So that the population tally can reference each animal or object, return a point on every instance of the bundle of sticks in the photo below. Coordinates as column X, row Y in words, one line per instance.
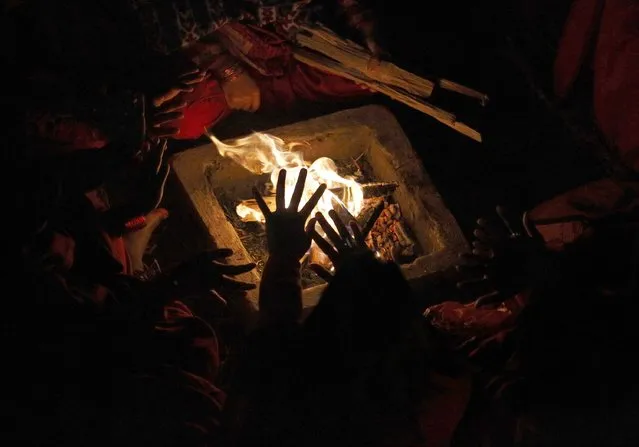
column 321, row 48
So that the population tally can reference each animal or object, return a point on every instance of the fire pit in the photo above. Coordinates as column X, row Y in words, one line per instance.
column 371, row 170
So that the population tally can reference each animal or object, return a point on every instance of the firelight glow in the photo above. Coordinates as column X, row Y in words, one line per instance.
column 261, row 153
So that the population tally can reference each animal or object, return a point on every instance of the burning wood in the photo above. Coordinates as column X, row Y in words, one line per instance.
column 390, row 237
column 371, row 190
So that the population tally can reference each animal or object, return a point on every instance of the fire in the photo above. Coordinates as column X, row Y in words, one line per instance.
column 261, row 153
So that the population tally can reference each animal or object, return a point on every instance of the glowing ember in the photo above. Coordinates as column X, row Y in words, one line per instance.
column 262, row 153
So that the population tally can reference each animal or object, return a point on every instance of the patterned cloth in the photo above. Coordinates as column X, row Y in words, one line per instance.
column 173, row 24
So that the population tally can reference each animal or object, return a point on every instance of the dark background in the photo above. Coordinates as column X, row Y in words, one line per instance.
column 533, row 148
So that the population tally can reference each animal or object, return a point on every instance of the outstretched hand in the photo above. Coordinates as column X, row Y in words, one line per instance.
column 285, row 227
column 167, row 106
column 343, row 243
column 500, row 264
column 206, row 272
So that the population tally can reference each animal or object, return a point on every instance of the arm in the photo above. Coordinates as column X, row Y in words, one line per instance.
column 281, row 291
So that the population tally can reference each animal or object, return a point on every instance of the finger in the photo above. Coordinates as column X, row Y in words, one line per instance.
column 493, row 297
column 492, row 230
column 310, row 226
column 481, row 235
column 324, row 246
column 331, row 234
column 298, row 191
column 339, row 224
column 471, row 271
column 261, row 203
column 470, row 260
column 192, row 78
column 160, row 150
column 193, row 69
column 212, row 255
column 321, row 272
column 234, row 269
column 164, row 118
column 357, row 233
column 482, row 250
column 172, row 106
column 230, row 283
column 312, row 202
column 220, row 253
column 371, row 220
column 219, row 298
column 465, row 283
column 167, row 96
column 165, row 132
column 280, row 191
column 507, row 221
column 163, row 175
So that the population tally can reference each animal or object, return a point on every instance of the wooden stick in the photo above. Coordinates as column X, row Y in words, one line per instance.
column 326, row 64
column 322, row 40
column 462, row 89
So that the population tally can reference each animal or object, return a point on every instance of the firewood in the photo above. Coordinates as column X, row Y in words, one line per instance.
column 321, row 39
column 329, row 65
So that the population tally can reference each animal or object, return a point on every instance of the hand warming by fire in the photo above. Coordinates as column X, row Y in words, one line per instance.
column 343, row 198
column 262, row 153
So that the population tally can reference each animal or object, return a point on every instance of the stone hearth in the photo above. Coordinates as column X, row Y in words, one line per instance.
column 371, row 131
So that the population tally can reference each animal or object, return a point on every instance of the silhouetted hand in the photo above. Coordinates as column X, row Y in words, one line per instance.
column 285, row 230
column 343, row 243
column 206, row 272
column 503, row 259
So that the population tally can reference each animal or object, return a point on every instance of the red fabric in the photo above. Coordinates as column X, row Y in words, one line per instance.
column 306, row 83
column 206, row 105
column 575, row 43
column 617, row 77
column 282, row 80
column 593, row 200
column 615, row 64
column 63, row 134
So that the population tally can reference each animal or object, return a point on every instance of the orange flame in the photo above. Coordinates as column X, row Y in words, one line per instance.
column 261, row 153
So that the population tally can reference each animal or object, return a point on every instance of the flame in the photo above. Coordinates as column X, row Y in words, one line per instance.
column 261, row 153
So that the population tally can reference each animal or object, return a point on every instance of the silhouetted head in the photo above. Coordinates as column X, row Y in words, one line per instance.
column 365, row 312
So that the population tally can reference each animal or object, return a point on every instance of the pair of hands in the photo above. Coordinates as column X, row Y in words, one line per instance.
column 290, row 237
column 504, row 261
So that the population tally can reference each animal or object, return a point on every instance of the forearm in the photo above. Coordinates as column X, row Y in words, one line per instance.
column 280, row 291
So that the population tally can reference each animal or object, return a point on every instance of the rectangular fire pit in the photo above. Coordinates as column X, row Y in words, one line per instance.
column 370, row 134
